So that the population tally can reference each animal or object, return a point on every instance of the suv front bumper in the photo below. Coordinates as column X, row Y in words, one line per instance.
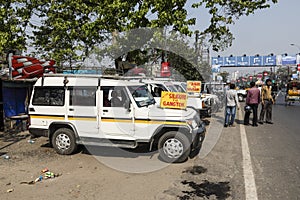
column 198, row 136
column 205, row 112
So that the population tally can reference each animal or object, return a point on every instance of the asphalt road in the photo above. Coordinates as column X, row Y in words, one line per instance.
column 275, row 152
column 241, row 162
column 274, row 159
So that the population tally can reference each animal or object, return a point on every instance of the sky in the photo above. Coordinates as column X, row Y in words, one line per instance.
column 270, row 30
column 267, row 31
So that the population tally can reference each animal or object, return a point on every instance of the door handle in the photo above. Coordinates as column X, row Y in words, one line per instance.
column 105, row 110
column 71, row 109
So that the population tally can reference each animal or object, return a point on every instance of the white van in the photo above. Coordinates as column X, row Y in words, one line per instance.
column 91, row 110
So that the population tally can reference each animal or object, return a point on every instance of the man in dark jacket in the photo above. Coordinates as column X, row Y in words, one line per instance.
column 252, row 100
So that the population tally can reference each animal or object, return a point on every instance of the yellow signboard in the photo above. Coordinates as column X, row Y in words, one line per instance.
column 176, row 100
column 193, row 86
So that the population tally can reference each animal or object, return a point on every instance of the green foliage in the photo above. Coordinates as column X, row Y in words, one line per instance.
column 150, row 46
column 69, row 29
column 14, row 20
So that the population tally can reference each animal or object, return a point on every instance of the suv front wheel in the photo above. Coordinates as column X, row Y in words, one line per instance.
column 174, row 147
column 64, row 142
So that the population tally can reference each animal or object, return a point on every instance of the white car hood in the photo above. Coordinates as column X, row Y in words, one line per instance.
column 157, row 113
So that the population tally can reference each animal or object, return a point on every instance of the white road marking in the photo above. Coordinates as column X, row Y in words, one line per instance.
column 249, row 180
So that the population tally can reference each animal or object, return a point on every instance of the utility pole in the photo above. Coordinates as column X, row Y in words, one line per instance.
column 196, row 44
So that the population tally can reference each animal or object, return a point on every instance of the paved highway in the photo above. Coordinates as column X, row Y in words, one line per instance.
column 241, row 162
column 275, row 153
column 272, row 170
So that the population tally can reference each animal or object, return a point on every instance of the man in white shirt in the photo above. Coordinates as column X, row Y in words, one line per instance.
column 231, row 104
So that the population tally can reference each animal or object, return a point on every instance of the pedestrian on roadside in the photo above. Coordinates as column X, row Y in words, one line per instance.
column 252, row 100
column 275, row 91
column 232, row 103
column 267, row 101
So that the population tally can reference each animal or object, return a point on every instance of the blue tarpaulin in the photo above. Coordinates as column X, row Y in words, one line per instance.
column 14, row 101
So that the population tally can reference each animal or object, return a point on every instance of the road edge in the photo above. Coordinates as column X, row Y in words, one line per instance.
column 249, row 180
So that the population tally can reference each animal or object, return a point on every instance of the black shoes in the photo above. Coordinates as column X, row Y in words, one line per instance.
column 261, row 122
column 254, row 125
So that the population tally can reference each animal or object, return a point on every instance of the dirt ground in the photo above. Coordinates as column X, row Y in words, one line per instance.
column 112, row 173
column 82, row 175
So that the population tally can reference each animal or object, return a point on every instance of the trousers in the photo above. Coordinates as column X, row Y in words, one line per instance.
column 230, row 115
column 247, row 115
column 266, row 109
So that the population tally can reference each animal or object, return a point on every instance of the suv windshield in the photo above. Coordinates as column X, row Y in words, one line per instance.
column 141, row 95
column 171, row 87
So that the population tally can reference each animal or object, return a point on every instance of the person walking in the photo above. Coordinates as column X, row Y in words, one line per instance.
column 252, row 100
column 232, row 103
column 267, row 101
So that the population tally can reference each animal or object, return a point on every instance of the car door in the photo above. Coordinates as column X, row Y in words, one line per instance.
column 82, row 110
column 116, row 121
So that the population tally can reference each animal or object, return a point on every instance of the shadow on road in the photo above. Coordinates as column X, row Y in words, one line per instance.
column 11, row 139
column 117, row 152
column 206, row 189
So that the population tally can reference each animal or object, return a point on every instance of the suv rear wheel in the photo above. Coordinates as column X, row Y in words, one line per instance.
column 64, row 142
column 174, row 147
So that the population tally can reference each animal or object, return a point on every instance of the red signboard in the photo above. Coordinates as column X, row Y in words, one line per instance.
column 298, row 66
column 165, row 69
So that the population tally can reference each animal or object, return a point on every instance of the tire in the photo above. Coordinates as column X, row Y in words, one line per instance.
column 64, row 142
column 174, row 147
column 241, row 98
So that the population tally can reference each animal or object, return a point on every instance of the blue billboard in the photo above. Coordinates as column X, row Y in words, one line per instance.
column 269, row 60
column 256, row 61
column 229, row 61
column 217, row 61
column 289, row 60
column 215, row 69
column 242, row 61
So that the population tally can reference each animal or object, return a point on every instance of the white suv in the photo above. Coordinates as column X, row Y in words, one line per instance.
column 91, row 110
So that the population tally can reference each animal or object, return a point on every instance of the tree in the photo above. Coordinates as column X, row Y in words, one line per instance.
column 14, row 23
column 70, row 28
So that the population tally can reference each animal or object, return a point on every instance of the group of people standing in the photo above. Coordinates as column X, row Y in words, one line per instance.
column 255, row 96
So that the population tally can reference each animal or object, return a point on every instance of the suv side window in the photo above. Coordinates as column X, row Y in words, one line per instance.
column 114, row 96
column 49, row 96
column 82, row 96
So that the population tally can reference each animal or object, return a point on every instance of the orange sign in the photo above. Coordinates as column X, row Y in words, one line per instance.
column 176, row 100
column 193, row 86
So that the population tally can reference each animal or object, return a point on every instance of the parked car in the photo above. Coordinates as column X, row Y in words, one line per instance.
column 196, row 102
column 90, row 110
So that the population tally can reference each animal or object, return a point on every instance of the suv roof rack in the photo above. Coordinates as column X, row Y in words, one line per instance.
column 84, row 75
